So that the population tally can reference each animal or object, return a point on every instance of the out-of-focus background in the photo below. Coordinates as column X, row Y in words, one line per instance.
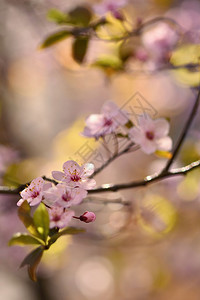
column 151, row 251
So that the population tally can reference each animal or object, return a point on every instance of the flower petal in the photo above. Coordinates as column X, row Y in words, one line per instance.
column 165, row 144
column 161, row 128
column 58, row 175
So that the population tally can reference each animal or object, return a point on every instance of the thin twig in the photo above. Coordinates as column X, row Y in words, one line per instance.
column 184, row 133
column 97, row 171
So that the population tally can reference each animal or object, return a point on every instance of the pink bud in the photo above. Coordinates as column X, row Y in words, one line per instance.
column 88, row 217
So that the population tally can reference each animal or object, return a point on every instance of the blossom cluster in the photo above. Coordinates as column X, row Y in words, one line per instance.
column 149, row 134
column 71, row 186
column 71, row 189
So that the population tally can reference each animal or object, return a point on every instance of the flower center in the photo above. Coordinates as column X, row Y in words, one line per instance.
column 56, row 218
column 108, row 122
column 150, row 135
column 66, row 197
column 75, row 177
column 35, row 194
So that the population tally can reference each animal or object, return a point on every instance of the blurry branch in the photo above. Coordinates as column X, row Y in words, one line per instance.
column 111, row 159
column 99, row 200
column 142, row 26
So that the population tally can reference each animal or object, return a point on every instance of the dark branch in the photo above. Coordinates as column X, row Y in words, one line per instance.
column 147, row 180
column 184, row 132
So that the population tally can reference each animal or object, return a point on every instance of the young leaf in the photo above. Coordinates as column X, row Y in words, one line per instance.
column 22, row 239
column 55, row 38
column 79, row 49
column 80, row 15
column 109, row 64
column 32, row 260
column 57, row 16
column 41, row 221
column 24, row 215
column 68, row 230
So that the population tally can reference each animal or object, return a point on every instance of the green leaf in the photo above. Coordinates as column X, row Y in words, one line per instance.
column 22, row 239
column 79, row 49
column 80, row 15
column 24, row 215
column 32, row 260
column 41, row 221
column 57, row 16
column 68, row 230
column 109, row 64
column 55, row 38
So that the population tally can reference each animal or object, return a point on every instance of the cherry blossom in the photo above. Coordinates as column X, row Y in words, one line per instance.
column 34, row 193
column 157, row 45
column 151, row 135
column 64, row 196
column 75, row 175
column 112, row 6
column 99, row 125
column 88, row 217
column 59, row 217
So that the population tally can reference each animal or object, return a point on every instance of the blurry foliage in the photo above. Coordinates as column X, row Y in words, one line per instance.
column 158, row 215
column 187, row 54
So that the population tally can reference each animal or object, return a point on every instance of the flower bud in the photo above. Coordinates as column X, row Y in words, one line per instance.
column 88, row 217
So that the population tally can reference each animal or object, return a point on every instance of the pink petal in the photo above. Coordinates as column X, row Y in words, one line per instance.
column 165, row 144
column 162, row 128
column 70, row 167
column 148, row 147
column 58, row 175
column 87, row 170
column 19, row 203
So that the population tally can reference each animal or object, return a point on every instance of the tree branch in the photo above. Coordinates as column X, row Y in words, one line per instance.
column 147, row 180
column 113, row 188
column 184, row 133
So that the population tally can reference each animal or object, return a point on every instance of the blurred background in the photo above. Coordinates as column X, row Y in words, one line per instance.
column 149, row 250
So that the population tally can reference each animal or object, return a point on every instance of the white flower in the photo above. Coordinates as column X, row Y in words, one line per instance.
column 151, row 135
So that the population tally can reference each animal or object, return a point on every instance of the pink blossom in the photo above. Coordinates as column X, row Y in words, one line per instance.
column 64, row 196
column 60, row 217
column 111, row 117
column 158, row 43
column 112, row 6
column 33, row 194
column 88, row 217
column 151, row 135
column 75, row 175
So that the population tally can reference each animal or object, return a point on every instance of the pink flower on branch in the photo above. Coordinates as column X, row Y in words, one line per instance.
column 99, row 125
column 59, row 217
column 64, row 196
column 75, row 175
column 151, row 135
column 34, row 193
column 112, row 6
